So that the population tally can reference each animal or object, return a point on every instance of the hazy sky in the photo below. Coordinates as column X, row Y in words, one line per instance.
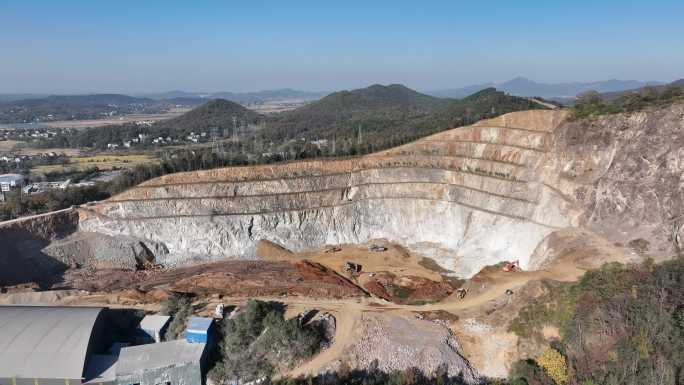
column 135, row 46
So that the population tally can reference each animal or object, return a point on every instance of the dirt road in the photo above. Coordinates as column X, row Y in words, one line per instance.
column 349, row 312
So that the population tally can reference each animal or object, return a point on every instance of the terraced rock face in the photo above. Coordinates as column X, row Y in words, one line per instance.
column 467, row 197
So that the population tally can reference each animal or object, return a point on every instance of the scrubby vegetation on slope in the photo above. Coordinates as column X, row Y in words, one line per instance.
column 619, row 325
column 179, row 307
column 259, row 341
column 592, row 103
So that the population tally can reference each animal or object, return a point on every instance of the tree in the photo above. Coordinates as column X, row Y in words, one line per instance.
column 588, row 98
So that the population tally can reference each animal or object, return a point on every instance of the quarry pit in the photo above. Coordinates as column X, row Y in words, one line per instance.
column 558, row 196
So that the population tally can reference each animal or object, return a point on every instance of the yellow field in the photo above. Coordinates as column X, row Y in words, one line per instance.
column 8, row 145
column 103, row 162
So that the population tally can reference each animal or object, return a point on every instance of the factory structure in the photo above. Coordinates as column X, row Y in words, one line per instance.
column 56, row 345
column 9, row 182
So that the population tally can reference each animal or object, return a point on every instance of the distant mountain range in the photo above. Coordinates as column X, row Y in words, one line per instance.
column 75, row 107
column 615, row 95
column 239, row 97
column 521, row 86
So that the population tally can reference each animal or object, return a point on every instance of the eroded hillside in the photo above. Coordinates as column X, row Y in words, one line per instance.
column 446, row 195
column 498, row 190
column 561, row 196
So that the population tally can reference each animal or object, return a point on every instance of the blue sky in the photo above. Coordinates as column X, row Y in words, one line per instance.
column 136, row 46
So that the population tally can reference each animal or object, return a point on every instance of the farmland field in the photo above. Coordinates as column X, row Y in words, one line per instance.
column 175, row 112
column 7, row 145
column 103, row 162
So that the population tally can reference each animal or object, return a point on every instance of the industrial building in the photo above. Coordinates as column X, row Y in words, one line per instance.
column 11, row 180
column 154, row 326
column 54, row 345
column 42, row 345
column 165, row 363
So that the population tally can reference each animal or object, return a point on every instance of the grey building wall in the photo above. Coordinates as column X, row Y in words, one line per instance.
column 181, row 374
column 40, row 381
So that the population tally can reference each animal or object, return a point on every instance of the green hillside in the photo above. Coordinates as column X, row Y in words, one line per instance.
column 214, row 114
column 386, row 116
column 359, row 121
column 217, row 113
column 342, row 113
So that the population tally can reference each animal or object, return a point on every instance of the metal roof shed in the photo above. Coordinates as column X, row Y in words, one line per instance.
column 173, row 362
column 12, row 179
column 154, row 325
column 45, row 344
column 198, row 329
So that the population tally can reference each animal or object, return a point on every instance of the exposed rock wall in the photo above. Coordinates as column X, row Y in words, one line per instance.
column 626, row 172
column 467, row 197
column 21, row 242
column 105, row 251
column 39, row 248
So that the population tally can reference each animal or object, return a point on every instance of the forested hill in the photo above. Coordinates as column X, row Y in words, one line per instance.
column 73, row 107
column 360, row 121
column 394, row 96
column 341, row 114
column 218, row 113
column 387, row 116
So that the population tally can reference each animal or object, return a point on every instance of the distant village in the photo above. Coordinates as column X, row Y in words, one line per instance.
column 26, row 134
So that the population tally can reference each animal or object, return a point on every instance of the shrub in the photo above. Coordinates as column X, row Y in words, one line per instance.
column 620, row 325
column 554, row 365
column 179, row 307
column 259, row 340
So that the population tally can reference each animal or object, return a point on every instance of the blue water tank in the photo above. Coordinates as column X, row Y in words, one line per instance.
column 198, row 329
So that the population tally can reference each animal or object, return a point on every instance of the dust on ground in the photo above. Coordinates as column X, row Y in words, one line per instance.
column 316, row 279
column 396, row 259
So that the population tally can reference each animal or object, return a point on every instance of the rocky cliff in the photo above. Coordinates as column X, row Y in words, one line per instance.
column 626, row 173
column 468, row 197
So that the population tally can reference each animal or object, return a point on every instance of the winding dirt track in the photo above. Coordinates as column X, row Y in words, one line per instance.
column 348, row 312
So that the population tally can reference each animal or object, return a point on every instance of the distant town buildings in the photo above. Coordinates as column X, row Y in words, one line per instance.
column 10, row 181
column 23, row 158
column 320, row 143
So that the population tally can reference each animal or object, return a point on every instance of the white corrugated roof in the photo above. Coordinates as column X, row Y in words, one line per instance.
column 9, row 178
column 45, row 341
column 154, row 322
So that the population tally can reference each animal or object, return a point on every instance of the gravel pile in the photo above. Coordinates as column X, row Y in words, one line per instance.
column 397, row 343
